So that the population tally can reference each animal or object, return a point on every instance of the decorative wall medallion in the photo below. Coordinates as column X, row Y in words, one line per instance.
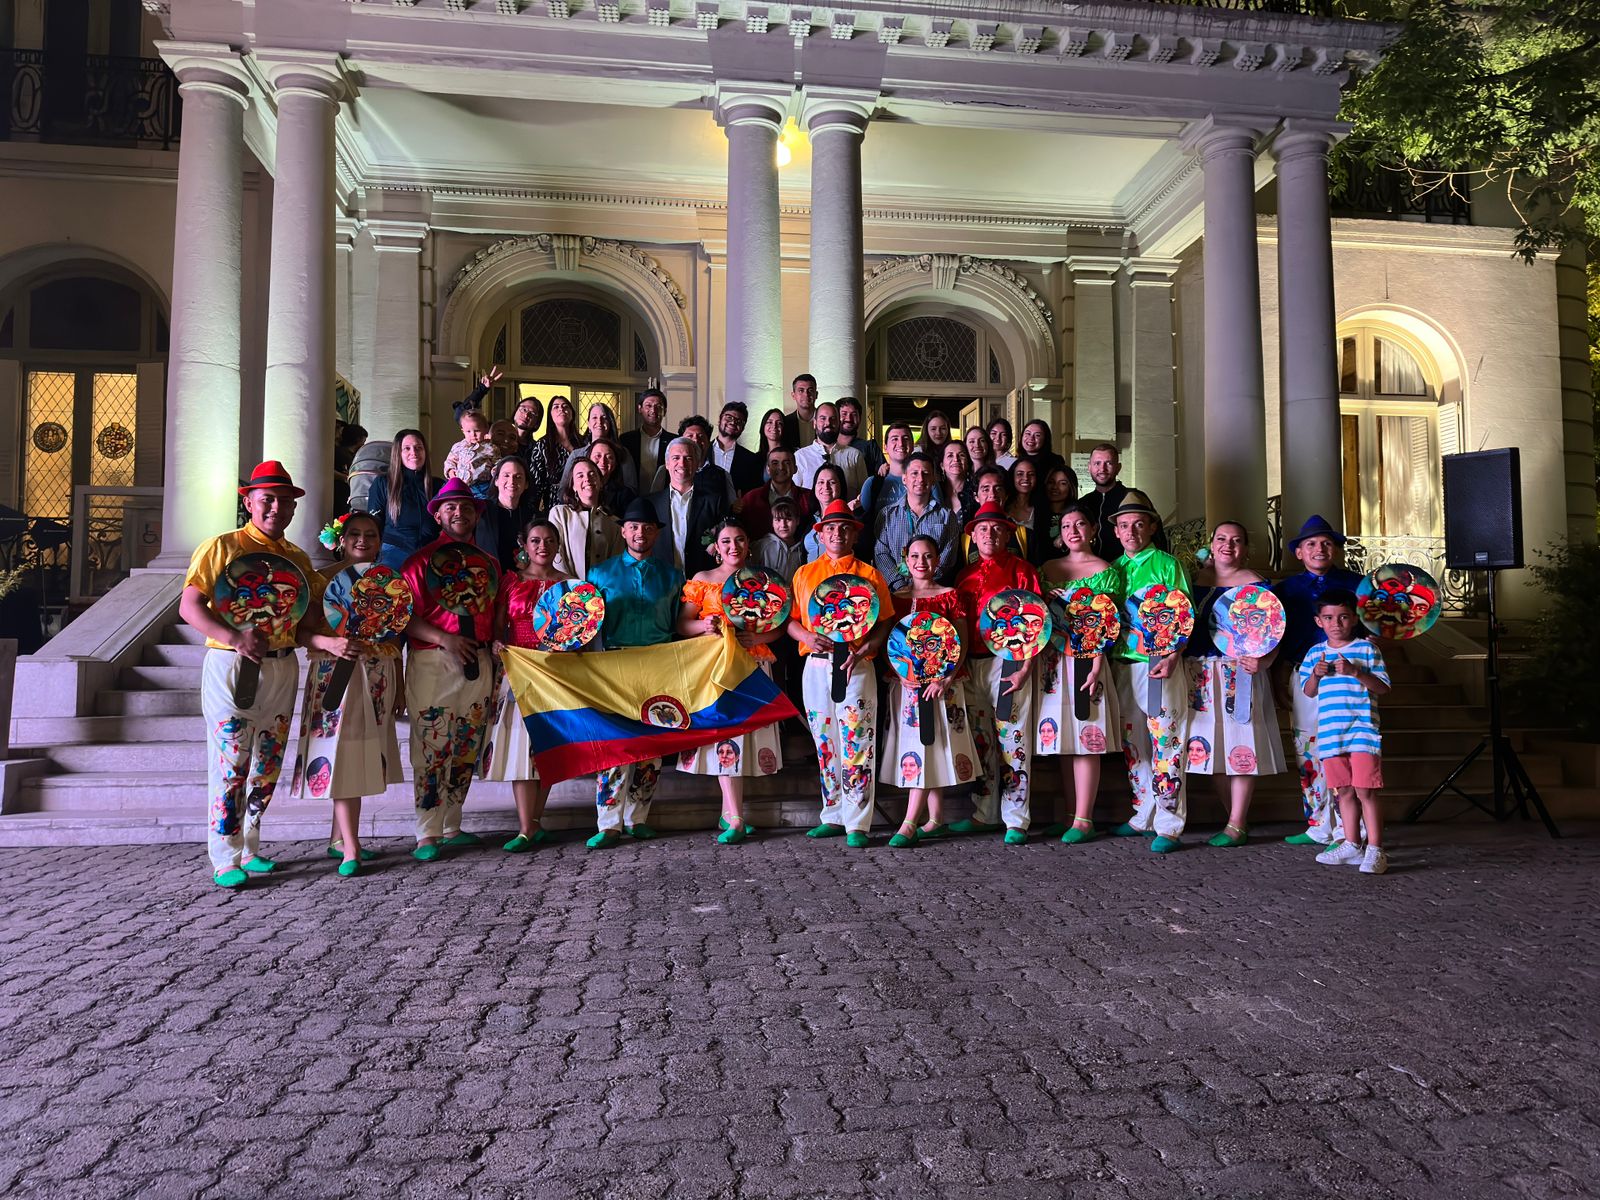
column 50, row 437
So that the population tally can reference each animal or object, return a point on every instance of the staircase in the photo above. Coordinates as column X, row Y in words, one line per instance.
column 132, row 772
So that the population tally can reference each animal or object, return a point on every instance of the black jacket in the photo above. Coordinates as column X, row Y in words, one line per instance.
column 748, row 470
column 632, row 442
column 707, row 506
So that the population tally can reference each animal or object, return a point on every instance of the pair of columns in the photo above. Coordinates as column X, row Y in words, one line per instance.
column 1235, row 399
column 752, row 115
column 204, row 385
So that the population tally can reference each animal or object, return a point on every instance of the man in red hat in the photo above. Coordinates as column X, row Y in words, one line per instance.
column 449, row 703
column 1005, row 750
column 845, row 731
column 247, row 736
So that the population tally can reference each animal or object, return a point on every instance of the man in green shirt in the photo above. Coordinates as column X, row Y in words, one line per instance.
column 1153, row 753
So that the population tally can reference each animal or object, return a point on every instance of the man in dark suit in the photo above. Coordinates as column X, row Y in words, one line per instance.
column 648, row 443
column 688, row 508
column 797, row 425
column 743, row 466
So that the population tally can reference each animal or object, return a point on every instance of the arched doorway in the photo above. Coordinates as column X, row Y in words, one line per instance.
column 923, row 358
column 571, row 341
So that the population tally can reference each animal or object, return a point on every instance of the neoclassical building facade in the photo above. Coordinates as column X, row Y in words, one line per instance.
column 1114, row 216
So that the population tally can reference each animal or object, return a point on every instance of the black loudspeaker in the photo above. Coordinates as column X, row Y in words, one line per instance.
column 1483, row 510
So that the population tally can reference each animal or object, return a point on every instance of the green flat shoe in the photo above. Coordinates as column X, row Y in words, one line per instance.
column 1227, row 841
column 350, row 867
column 933, row 833
column 1079, row 834
column 1304, row 839
column 969, row 826
column 722, row 825
column 903, row 841
column 1016, row 837
column 462, row 838
column 1055, row 829
column 259, row 865
column 519, row 845
column 1164, row 845
column 366, row 855
column 826, row 830
column 1126, row 829
column 857, row 840
column 427, row 853
column 732, row 835
column 232, row 879
column 605, row 839
column 641, row 832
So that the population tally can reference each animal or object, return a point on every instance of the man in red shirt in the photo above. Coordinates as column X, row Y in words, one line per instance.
column 449, row 710
column 1004, row 747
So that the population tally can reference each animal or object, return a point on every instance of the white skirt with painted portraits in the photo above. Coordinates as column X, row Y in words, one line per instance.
column 1057, row 727
column 1215, row 742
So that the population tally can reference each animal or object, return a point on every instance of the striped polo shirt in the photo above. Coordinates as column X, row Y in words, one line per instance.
column 1347, row 714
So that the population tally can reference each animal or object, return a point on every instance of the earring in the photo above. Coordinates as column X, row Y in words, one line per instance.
column 522, row 558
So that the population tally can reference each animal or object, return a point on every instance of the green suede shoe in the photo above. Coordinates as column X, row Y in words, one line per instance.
column 826, row 830
column 903, row 841
column 519, row 845
column 1230, row 837
column 732, row 835
column 857, row 840
column 349, row 868
column 605, row 839
column 932, row 833
column 1304, row 839
column 1016, row 837
column 722, row 826
column 259, row 865
column 641, row 832
column 1081, row 831
column 968, row 826
column 461, row 839
column 366, row 855
column 427, row 853
column 1164, row 845
column 232, row 879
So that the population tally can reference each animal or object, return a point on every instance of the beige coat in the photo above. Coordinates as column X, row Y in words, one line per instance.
column 588, row 537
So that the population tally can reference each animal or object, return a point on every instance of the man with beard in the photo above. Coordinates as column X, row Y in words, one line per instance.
column 246, row 742
column 826, row 449
column 851, row 415
column 1105, row 464
column 647, row 445
column 743, row 466
column 449, row 706
column 799, row 426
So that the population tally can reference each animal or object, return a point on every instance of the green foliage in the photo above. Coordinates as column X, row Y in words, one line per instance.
column 1507, row 94
column 1559, row 683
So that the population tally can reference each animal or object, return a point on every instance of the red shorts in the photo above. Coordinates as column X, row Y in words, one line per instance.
column 1353, row 770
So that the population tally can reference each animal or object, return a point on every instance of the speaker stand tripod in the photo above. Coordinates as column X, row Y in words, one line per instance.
column 1507, row 768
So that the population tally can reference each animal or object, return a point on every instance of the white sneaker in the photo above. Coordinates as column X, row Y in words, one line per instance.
column 1374, row 861
column 1341, row 854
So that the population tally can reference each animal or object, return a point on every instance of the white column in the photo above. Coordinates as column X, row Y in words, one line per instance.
column 297, row 419
column 1308, row 369
column 1094, row 348
column 395, row 401
column 1235, row 391
column 345, row 230
column 200, row 473
column 837, row 122
column 1152, row 354
column 752, row 116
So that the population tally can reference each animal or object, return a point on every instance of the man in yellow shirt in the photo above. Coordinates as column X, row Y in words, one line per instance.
column 246, row 742
column 845, row 731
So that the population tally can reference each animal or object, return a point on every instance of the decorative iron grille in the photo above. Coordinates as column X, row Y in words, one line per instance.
column 571, row 333
column 994, row 369
column 641, row 360
column 933, row 350
column 1391, row 195
column 93, row 99
column 500, row 346
column 1463, row 593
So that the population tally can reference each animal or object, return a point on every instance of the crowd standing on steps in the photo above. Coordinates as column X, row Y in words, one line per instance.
column 935, row 520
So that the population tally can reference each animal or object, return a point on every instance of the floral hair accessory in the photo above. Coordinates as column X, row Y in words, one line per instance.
column 333, row 531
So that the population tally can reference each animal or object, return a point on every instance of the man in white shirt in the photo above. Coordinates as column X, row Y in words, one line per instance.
column 686, row 508
column 648, row 443
column 826, row 449
column 743, row 466
column 798, row 427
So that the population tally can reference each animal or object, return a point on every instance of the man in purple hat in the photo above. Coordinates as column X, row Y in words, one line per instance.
column 1320, row 549
column 247, row 735
column 448, row 698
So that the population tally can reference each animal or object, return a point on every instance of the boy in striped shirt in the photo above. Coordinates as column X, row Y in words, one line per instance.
column 1343, row 675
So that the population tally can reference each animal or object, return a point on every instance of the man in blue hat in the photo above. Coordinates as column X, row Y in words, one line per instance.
column 1320, row 549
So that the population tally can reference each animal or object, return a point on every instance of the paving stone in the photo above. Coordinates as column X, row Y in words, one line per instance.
column 678, row 1020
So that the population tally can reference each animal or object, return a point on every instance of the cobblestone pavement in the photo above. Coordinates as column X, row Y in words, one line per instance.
column 791, row 1018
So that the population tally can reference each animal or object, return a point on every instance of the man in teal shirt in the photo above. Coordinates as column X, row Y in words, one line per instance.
column 1154, row 753
column 642, row 596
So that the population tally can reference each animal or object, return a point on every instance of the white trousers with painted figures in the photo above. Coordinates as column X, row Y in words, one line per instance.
column 449, row 717
column 245, row 750
column 1005, row 748
column 1152, row 746
column 845, row 733
column 622, row 794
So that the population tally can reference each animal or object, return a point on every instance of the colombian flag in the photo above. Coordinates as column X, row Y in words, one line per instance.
column 589, row 712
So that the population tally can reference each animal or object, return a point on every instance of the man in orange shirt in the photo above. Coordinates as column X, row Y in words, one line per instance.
column 845, row 731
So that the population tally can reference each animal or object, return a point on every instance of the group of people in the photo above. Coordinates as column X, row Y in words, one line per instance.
column 658, row 523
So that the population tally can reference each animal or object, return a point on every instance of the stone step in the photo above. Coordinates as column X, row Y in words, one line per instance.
column 38, row 735
column 179, row 632
column 149, row 702
column 159, row 678
column 176, row 654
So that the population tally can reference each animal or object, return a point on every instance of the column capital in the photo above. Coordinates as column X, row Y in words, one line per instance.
column 1152, row 272
column 1221, row 134
column 397, row 237
column 1093, row 268
column 764, row 104
column 847, row 110
column 1299, row 137
column 313, row 73
column 208, row 67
